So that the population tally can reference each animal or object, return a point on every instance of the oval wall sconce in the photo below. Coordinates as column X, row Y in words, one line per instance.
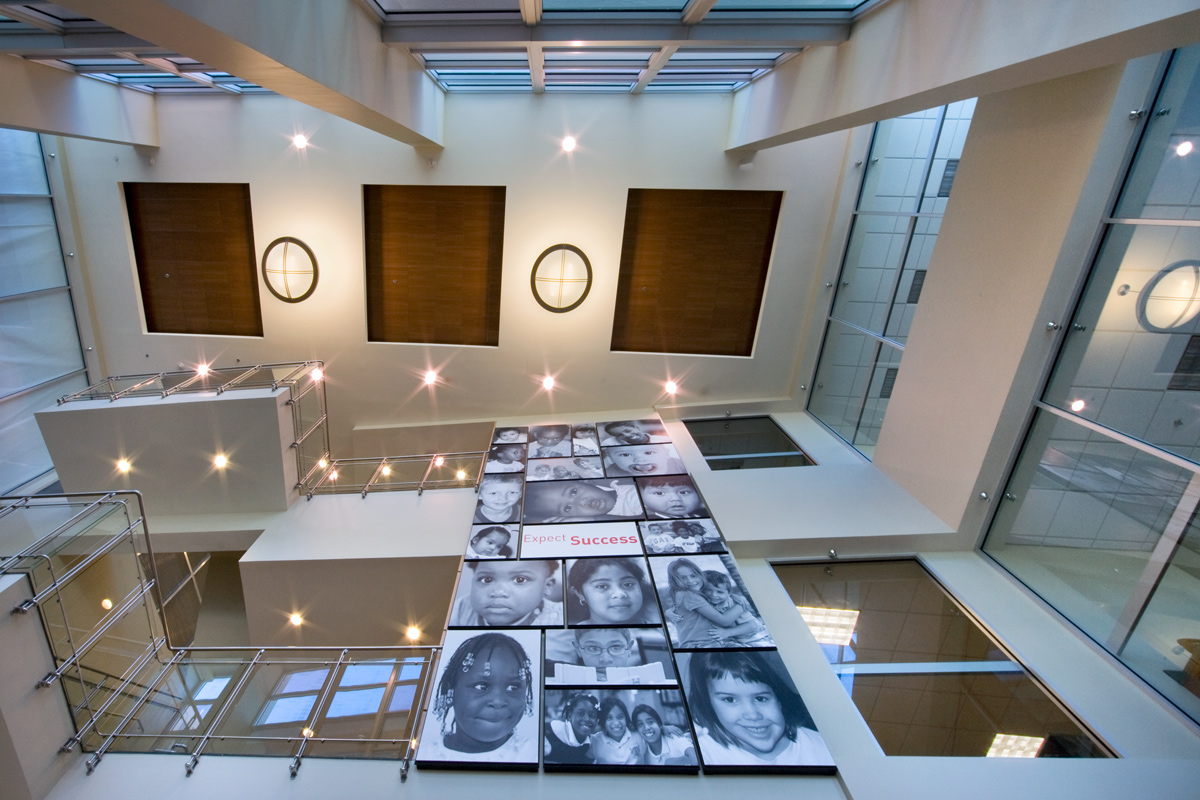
column 561, row 278
column 1171, row 299
column 289, row 269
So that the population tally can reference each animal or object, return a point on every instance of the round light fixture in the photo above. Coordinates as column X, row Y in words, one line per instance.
column 548, row 382
column 1171, row 299
column 322, row 463
column 430, row 378
column 289, row 269
column 386, row 470
column 296, row 620
column 1183, row 148
column 1077, row 405
column 672, row 387
column 220, row 461
column 300, row 140
column 437, row 462
column 333, row 474
column 461, row 475
column 123, row 465
column 568, row 143
column 413, row 633
column 561, row 278
column 202, row 369
column 106, row 604
column 317, row 374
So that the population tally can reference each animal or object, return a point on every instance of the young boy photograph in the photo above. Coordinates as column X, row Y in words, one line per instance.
column 507, row 594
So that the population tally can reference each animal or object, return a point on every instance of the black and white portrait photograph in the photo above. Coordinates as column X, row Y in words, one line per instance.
column 608, row 657
column 607, row 500
column 705, row 603
column 634, row 730
column 631, row 431
column 584, row 440
column 564, row 469
column 663, row 537
column 505, row 458
column 550, row 441
column 610, row 592
column 525, row 593
column 748, row 715
column 499, row 499
column 510, row 436
column 484, row 708
column 671, row 497
column 493, row 541
column 635, row 461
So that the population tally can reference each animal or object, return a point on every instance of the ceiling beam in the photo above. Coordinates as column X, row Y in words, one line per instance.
column 168, row 66
column 531, row 11
column 33, row 17
column 537, row 68
column 83, row 43
column 324, row 53
column 658, row 61
column 696, row 10
column 555, row 33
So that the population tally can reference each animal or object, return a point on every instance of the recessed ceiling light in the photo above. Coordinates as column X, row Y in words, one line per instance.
column 317, row 374
column 307, row 733
column 437, row 462
column 430, row 378
column 123, row 465
column 386, row 470
column 322, row 463
column 413, row 633
column 672, row 387
column 1008, row 745
column 220, row 461
column 548, row 382
column 1183, row 148
column 202, row 369
column 300, row 140
column 461, row 475
column 296, row 620
column 106, row 604
column 1078, row 405
column 568, row 143
column 333, row 474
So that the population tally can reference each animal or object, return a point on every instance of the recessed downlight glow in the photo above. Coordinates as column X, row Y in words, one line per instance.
column 461, row 475
column 322, row 463
column 296, row 620
column 307, row 733
column 548, row 382
column 1078, row 405
column 300, row 140
column 430, row 378
column 106, row 604
column 1008, row 745
column 672, row 387
column 220, row 461
column 568, row 143
column 123, row 465
column 413, row 633
column 830, row 625
column 333, row 474
column 202, row 369
column 437, row 462
column 317, row 374
column 386, row 470
column 1183, row 148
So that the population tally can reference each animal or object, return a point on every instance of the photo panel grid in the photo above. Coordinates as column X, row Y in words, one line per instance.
column 484, row 711
column 705, row 603
column 682, row 536
column 671, row 497
column 493, row 541
column 564, row 469
column 617, row 730
column 610, row 592
column 645, row 460
column 519, row 593
column 748, row 714
column 608, row 657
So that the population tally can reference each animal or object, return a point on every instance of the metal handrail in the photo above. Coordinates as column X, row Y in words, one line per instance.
column 40, row 543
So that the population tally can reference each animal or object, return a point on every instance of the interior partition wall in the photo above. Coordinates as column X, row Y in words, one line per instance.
column 40, row 354
column 905, row 187
column 1099, row 514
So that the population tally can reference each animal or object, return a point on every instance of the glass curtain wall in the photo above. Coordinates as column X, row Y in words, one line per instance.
column 1099, row 515
column 40, row 356
column 905, row 187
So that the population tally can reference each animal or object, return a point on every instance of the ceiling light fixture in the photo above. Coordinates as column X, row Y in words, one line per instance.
column 296, row 620
column 300, row 140
column 317, row 374
column 333, row 474
column 548, row 382
column 672, row 387
column 413, row 633
column 123, row 465
column 220, row 461
column 1078, row 405
column 386, row 470
column 461, row 475
column 106, row 604
column 289, row 268
column 202, row 370
column 430, row 378
column 1183, row 148
column 322, row 463
column 568, row 143
column 437, row 462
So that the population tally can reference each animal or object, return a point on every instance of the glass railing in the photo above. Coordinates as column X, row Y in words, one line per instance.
column 110, row 611
column 398, row 473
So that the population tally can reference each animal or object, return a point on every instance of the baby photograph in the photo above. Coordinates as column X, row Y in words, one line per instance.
column 637, row 730
column 505, row 458
column 564, row 469
column 581, row 500
column 706, row 605
column 608, row 657
column 682, row 536
column 499, row 499
column 748, row 715
column 610, row 592
column 637, row 460
column 631, row 431
column 671, row 497
column 493, row 541
column 550, row 441
column 508, row 594
column 510, row 436
column 484, row 708
column 584, row 440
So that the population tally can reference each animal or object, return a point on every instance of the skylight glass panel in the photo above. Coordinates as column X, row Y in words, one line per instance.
column 444, row 6
column 440, row 57
column 589, row 87
column 364, row 674
column 766, row 58
column 100, row 63
column 612, row 5
column 639, row 58
column 307, row 681
column 403, row 697
column 355, row 702
column 787, row 5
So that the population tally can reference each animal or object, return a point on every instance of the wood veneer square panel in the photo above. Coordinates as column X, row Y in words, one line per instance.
column 693, row 269
column 433, row 258
column 194, row 246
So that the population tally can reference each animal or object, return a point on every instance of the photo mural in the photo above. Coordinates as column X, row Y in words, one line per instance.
column 600, row 623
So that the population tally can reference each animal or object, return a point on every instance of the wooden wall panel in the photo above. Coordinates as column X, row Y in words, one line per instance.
column 194, row 245
column 693, row 269
column 433, row 257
